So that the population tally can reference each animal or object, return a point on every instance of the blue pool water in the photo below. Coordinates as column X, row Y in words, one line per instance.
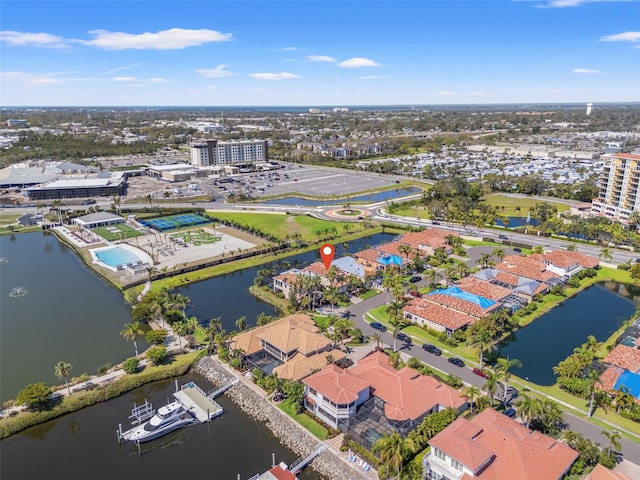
column 116, row 256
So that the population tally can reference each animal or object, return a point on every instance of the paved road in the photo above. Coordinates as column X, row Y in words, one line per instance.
column 630, row 450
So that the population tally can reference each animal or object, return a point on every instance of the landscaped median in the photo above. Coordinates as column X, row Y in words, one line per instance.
column 80, row 399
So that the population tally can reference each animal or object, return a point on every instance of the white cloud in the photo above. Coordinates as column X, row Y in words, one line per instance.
column 622, row 37
column 286, row 49
column 123, row 79
column 373, row 77
column 274, row 76
column 172, row 39
column 43, row 82
column 445, row 93
column 218, row 72
column 27, row 39
column 585, row 71
column 125, row 67
column 12, row 74
column 320, row 58
column 358, row 62
column 156, row 80
column 576, row 3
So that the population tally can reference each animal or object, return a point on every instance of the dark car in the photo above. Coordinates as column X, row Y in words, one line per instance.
column 456, row 361
column 510, row 412
column 378, row 326
column 427, row 347
column 403, row 337
column 480, row 372
column 503, row 237
column 415, row 279
column 517, row 249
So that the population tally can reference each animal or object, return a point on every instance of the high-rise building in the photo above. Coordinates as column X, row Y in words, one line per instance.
column 619, row 184
column 213, row 152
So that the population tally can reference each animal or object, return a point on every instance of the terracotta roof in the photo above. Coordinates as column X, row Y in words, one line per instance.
column 301, row 366
column 630, row 156
column 624, row 357
column 287, row 278
column 392, row 248
column 406, row 393
column 565, row 259
column 432, row 237
column 278, row 473
column 340, row 385
column 295, row 332
column 484, row 289
column 508, row 278
column 603, row 473
column 435, row 313
column 526, row 267
column 317, row 268
column 497, row 447
column 462, row 306
column 608, row 379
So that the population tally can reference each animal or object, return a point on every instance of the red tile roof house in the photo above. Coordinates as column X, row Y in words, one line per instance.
column 429, row 240
column 285, row 281
column 493, row 446
column 623, row 361
column 566, row 263
column 445, row 313
column 334, row 394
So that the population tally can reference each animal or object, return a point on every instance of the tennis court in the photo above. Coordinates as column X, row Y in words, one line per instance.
column 173, row 222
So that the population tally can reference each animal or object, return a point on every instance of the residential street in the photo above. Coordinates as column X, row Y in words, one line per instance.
column 630, row 450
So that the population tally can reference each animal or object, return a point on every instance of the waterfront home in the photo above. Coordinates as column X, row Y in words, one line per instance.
column 505, row 296
column 564, row 262
column 493, row 446
column 603, row 473
column 285, row 282
column 530, row 268
column 376, row 260
column 623, row 371
column 523, row 287
column 291, row 347
column 372, row 398
column 429, row 240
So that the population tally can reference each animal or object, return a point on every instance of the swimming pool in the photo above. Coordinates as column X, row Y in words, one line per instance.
column 116, row 257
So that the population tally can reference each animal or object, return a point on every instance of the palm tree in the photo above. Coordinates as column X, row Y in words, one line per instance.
column 605, row 254
column 180, row 329
column 614, row 442
column 592, row 378
column 376, row 338
column 131, row 332
column 528, row 409
column 572, row 247
column 491, row 385
column 498, row 253
column 62, row 371
column 396, row 323
column 390, row 450
column 241, row 323
column 481, row 339
column 473, row 393
column 624, row 399
column 485, row 260
column 504, row 365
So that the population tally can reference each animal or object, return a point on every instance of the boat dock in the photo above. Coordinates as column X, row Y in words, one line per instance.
column 199, row 403
column 299, row 464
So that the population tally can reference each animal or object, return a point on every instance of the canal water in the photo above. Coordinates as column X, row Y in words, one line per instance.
column 84, row 445
column 368, row 198
column 599, row 310
column 228, row 296
column 68, row 314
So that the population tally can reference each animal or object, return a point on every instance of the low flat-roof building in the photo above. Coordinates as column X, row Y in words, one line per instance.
column 98, row 219
column 97, row 186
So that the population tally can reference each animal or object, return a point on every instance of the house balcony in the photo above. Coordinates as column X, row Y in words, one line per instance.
column 436, row 469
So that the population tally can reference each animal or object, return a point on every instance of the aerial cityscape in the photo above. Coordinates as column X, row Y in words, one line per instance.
column 320, row 240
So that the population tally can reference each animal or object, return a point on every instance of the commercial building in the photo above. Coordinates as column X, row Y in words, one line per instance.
column 84, row 187
column 213, row 152
column 619, row 182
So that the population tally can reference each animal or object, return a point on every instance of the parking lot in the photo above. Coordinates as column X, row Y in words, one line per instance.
column 310, row 181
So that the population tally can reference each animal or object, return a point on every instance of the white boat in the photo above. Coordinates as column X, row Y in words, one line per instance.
column 167, row 419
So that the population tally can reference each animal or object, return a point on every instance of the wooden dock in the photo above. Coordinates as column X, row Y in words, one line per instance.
column 194, row 399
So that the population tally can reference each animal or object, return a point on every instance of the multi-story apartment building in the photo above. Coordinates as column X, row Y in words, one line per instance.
column 619, row 183
column 213, row 152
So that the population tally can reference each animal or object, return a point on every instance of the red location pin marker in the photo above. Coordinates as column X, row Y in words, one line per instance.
column 327, row 252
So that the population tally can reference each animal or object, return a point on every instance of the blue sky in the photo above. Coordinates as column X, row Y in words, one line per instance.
column 306, row 52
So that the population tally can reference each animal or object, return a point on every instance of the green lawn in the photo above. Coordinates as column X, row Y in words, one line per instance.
column 127, row 232
column 280, row 226
column 512, row 204
column 306, row 421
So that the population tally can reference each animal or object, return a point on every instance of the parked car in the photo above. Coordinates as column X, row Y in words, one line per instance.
column 480, row 372
column 378, row 326
column 415, row 294
column 427, row 347
column 415, row 279
column 510, row 412
column 403, row 337
column 456, row 361
column 517, row 249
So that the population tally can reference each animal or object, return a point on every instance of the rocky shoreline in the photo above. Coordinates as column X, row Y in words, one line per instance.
column 290, row 433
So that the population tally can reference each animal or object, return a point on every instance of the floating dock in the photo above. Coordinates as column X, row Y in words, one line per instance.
column 196, row 400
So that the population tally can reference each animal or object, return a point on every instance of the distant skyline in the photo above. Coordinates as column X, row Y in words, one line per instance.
column 318, row 53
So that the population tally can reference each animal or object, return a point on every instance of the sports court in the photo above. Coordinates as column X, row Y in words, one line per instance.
column 173, row 222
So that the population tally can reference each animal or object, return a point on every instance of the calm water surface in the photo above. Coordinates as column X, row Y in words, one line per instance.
column 599, row 310
column 84, row 445
column 69, row 314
